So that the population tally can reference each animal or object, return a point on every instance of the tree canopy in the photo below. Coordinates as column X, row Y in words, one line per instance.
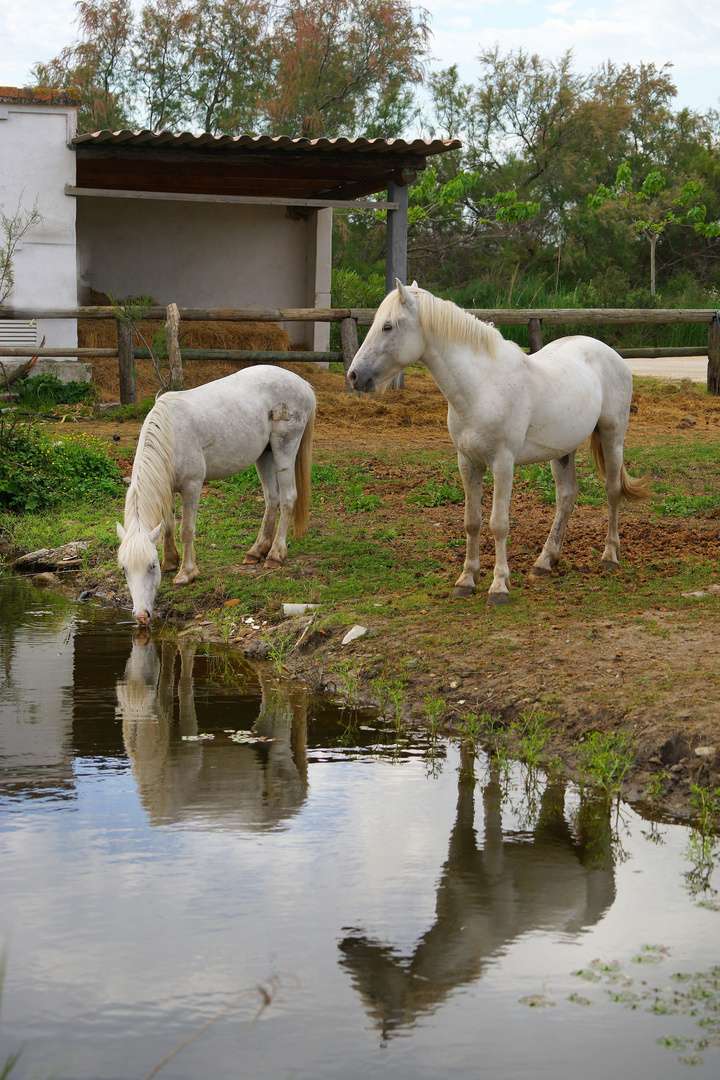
column 563, row 175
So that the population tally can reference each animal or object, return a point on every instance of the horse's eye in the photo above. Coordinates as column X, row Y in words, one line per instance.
column 387, row 326
column 152, row 567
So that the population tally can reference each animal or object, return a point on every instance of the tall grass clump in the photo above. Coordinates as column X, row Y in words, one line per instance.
column 38, row 472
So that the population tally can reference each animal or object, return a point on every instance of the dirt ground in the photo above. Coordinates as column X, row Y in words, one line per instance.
column 653, row 674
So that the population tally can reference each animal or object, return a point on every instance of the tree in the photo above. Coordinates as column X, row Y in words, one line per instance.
column 653, row 206
column 160, row 68
column 230, row 64
column 98, row 64
column 343, row 64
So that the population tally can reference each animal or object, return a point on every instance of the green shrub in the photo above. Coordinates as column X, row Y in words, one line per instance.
column 38, row 472
column 47, row 390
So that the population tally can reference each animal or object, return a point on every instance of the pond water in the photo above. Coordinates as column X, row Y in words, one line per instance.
column 331, row 897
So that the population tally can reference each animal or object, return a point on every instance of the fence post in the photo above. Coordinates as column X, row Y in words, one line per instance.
column 349, row 338
column 172, row 326
column 126, row 362
column 713, row 368
column 535, row 335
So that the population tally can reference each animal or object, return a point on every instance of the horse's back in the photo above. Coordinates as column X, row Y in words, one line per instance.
column 578, row 351
column 224, row 426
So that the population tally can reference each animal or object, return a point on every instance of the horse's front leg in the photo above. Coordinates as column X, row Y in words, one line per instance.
column 472, row 478
column 190, row 501
column 502, row 469
column 171, row 555
column 566, row 493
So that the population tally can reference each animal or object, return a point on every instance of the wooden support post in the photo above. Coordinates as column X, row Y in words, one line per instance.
column 349, row 338
column 396, row 247
column 535, row 335
column 126, row 363
column 713, row 368
column 172, row 326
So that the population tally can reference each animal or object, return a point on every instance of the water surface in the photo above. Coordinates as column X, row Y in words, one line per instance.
column 409, row 911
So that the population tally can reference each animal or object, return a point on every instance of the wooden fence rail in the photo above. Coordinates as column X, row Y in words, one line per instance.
column 350, row 319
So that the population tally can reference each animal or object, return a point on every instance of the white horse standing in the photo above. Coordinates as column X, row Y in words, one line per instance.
column 505, row 409
column 262, row 414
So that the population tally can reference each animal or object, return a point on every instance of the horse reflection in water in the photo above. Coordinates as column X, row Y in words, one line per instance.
column 553, row 880
column 254, row 786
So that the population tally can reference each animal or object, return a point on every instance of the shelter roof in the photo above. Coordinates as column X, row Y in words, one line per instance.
column 250, row 165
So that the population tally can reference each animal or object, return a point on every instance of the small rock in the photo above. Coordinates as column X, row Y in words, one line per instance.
column 454, row 685
column 107, row 408
column 298, row 609
column 41, row 581
column 705, row 751
column 687, row 421
column 355, row 632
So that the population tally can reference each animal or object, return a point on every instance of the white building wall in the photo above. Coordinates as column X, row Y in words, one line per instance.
column 36, row 163
column 198, row 254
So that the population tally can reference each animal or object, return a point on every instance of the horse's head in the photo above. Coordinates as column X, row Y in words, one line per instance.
column 394, row 341
column 138, row 559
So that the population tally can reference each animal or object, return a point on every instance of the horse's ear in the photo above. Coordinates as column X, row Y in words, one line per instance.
column 120, row 531
column 401, row 291
column 155, row 534
column 414, row 285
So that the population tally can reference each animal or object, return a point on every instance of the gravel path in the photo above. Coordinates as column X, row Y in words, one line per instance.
column 672, row 367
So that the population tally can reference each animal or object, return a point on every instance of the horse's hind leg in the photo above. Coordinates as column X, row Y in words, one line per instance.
column 190, row 501
column 284, row 462
column 472, row 478
column 566, row 492
column 267, row 472
column 613, row 454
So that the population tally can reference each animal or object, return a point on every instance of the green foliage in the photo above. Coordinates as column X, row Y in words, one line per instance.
column 357, row 501
column 540, row 477
column 681, row 504
column 47, row 390
column 437, row 493
column 606, row 757
column 38, row 472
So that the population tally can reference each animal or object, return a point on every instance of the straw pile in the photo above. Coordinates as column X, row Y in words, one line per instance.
column 102, row 334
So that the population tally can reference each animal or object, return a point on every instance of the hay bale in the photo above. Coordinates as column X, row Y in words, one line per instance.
column 102, row 334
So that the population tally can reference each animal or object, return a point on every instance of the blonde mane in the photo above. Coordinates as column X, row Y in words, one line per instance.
column 444, row 322
column 149, row 498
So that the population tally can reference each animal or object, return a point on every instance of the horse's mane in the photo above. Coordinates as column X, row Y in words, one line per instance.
column 444, row 322
column 149, row 498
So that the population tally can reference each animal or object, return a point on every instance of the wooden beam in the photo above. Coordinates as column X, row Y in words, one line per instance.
column 535, row 335
column 290, row 356
column 33, row 350
column 365, row 316
column 713, row 368
column 396, row 248
column 172, row 327
column 126, row 363
column 249, row 200
column 349, row 337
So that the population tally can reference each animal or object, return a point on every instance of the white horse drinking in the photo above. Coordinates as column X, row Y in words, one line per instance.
column 262, row 414
column 507, row 409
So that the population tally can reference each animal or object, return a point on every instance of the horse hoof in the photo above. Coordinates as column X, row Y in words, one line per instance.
column 251, row 559
column 540, row 571
column 608, row 564
column 495, row 598
column 464, row 590
column 273, row 564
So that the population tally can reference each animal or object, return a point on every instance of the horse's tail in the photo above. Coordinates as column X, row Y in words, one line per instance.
column 633, row 490
column 303, row 469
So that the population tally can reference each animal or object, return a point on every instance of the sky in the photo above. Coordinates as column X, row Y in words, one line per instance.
column 685, row 33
